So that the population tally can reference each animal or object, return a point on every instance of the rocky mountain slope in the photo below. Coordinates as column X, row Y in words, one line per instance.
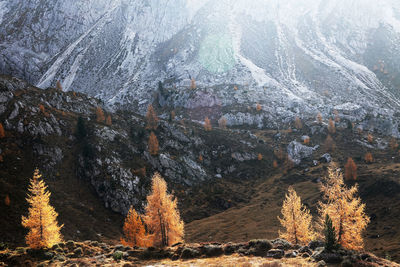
column 294, row 58
column 230, row 187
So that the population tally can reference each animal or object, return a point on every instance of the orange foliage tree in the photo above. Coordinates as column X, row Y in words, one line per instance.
column 344, row 208
column 42, row 109
column 153, row 144
column 2, row 132
column 172, row 115
column 296, row 220
column 151, row 118
column 162, row 215
column 7, row 200
column 207, row 124
column 368, row 157
column 259, row 156
column 297, row 123
column 275, row 164
column 307, row 140
column 99, row 115
column 319, row 117
column 108, row 120
column 331, row 126
column 222, row 123
column 350, row 170
column 193, row 84
column 329, row 144
column 58, row 86
column 44, row 230
column 258, row 107
column 370, row 138
column 134, row 231
column 200, row 158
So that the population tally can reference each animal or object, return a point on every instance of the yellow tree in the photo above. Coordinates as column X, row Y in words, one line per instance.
column 258, row 107
column 344, row 208
column 2, row 133
column 162, row 215
column 153, row 144
column 134, row 231
column 207, row 124
column 151, row 118
column 350, row 170
column 42, row 218
column 296, row 220
column 108, row 120
column 99, row 115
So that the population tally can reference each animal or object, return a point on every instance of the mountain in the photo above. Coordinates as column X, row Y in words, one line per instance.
column 296, row 58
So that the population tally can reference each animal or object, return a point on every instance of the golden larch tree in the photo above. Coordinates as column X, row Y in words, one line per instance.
column 331, row 126
column 200, row 158
column 259, row 156
column 2, row 132
column 275, row 164
column 258, row 107
column 337, row 117
column 350, row 170
column 151, row 118
column 7, row 200
column 134, row 231
column 207, row 124
column 59, row 86
column 162, row 215
column 370, row 138
column 100, row 115
column 368, row 157
column 108, row 120
column 172, row 115
column 222, row 122
column 192, row 83
column 307, row 140
column 153, row 144
column 296, row 220
column 329, row 144
column 344, row 208
column 319, row 117
column 297, row 123
column 44, row 230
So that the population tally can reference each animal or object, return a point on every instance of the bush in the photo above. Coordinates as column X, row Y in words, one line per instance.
column 117, row 255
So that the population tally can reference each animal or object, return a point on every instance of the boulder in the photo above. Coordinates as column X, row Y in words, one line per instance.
column 297, row 151
column 325, row 158
column 276, row 253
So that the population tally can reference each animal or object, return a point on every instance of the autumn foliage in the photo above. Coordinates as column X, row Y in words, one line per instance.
column 151, row 118
column 259, row 156
column 370, row 138
column 222, row 123
column 134, row 231
column 319, row 117
column 297, row 123
column 162, row 216
column 100, row 115
column 207, row 124
column 344, row 208
column 2, row 132
column 368, row 157
column 59, row 86
column 192, row 83
column 258, row 107
column 108, row 120
column 296, row 220
column 307, row 141
column 153, row 144
column 44, row 230
column 350, row 170
column 7, row 200
column 331, row 127
column 329, row 144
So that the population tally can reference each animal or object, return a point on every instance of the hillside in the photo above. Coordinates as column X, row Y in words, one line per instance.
column 230, row 195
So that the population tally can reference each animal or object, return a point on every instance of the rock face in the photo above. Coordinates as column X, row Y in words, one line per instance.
column 113, row 158
column 302, row 62
column 298, row 151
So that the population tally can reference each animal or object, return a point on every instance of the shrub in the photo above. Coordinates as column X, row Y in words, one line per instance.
column 117, row 255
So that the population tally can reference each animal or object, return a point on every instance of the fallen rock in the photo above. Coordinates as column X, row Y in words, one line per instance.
column 276, row 253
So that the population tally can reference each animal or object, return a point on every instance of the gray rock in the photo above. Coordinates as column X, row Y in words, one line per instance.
column 276, row 253
column 326, row 158
column 297, row 151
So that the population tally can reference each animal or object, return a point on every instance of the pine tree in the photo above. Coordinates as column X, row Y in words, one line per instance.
column 368, row 157
column 2, row 132
column 370, row 138
column 296, row 220
column 42, row 219
column 331, row 127
column 258, row 107
column 151, row 118
column 207, row 124
column 222, row 123
column 344, row 208
column 350, row 170
column 7, row 200
column 153, row 144
column 259, row 156
column 108, row 120
column 134, row 231
column 329, row 144
column 162, row 215
column 275, row 164
column 330, row 234
column 100, row 115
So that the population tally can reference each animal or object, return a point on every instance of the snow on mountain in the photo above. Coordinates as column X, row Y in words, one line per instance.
column 312, row 53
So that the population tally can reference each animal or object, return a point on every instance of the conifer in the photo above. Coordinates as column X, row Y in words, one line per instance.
column 296, row 220
column 100, row 115
column 344, row 208
column 151, row 118
column 44, row 231
column 58, row 86
column 368, row 157
column 259, row 156
column 258, row 107
column 331, row 127
column 162, row 215
column 7, row 200
column 108, row 120
column 319, row 118
column 192, row 83
column 2, row 132
column 153, row 144
column 222, row 123
column 207, row 124
column 350, row 170
column 134, row 231
column 297, row 123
